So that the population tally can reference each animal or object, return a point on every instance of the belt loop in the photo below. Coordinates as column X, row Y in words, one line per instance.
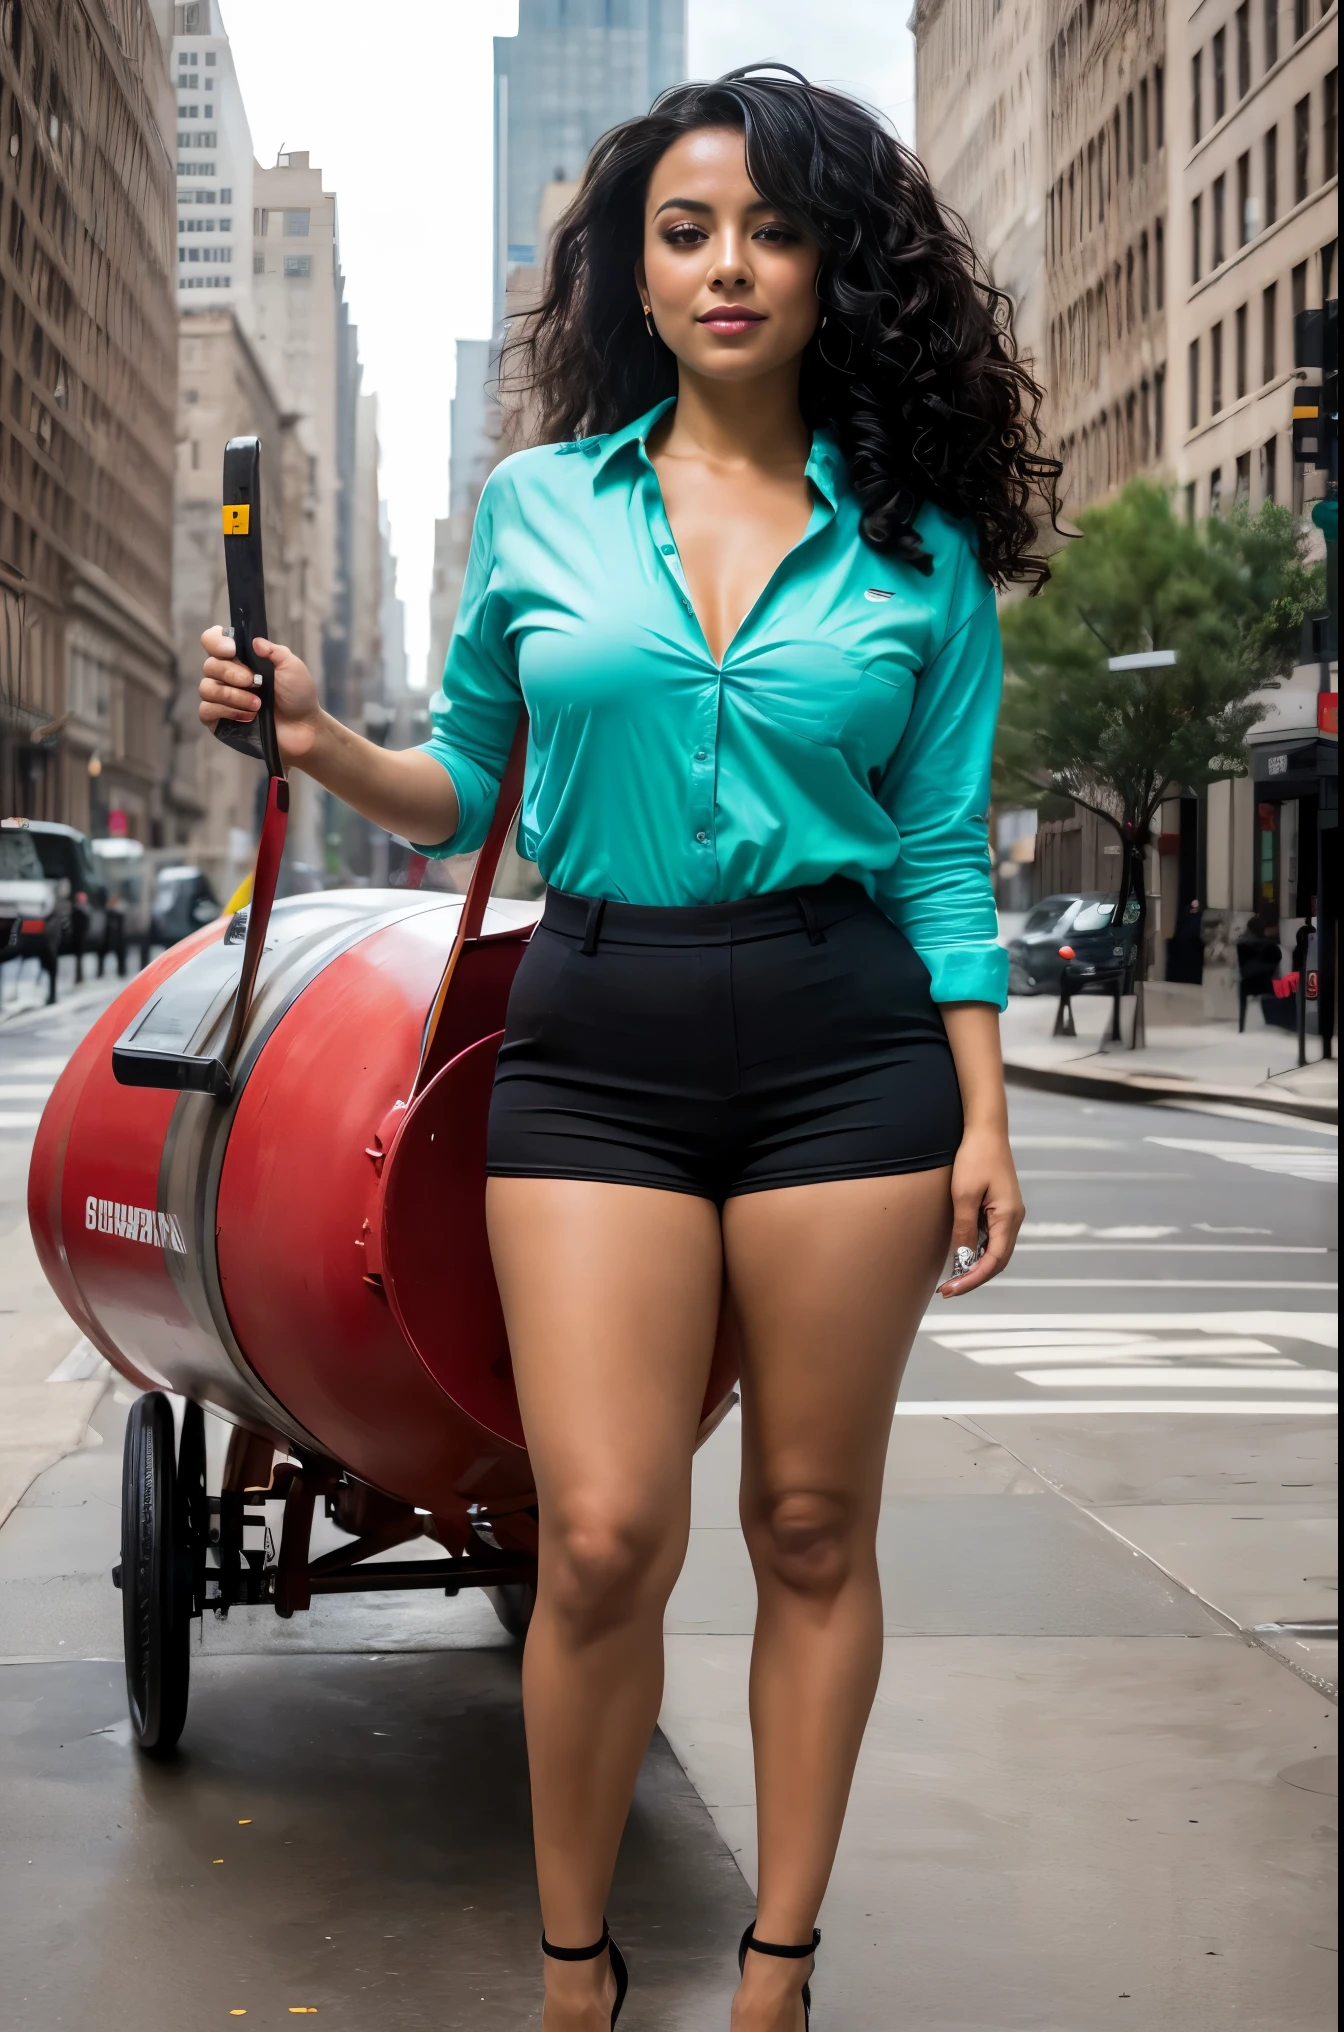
column 593, row 925
column 809, row 915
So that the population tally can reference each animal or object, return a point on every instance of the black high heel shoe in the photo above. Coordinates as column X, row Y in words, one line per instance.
column 752, row 1945
column 618, row 1967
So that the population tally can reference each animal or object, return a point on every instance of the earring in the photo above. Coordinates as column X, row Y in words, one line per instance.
column 648, row 319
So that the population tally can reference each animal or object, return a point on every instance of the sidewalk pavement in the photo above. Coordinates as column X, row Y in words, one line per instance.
column 1189, row 1059
column 1088, row 1797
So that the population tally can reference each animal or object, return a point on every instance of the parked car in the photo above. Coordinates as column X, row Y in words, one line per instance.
column 1085, row 920
column 127, row 876
column 183, row 902
column 32, row 910
column 67, row 857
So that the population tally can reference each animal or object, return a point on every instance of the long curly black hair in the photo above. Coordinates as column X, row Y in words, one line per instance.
column 916, row 370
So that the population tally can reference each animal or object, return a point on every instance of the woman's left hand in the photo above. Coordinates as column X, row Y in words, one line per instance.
column 983, row 1177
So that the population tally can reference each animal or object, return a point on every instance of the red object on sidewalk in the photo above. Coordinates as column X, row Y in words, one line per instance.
column 308, row 1256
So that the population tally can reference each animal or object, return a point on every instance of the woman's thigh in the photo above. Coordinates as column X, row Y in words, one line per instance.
column 611, row 1296
column 830, row 1283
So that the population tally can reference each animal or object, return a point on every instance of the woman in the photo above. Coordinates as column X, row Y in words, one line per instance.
column 743, row 591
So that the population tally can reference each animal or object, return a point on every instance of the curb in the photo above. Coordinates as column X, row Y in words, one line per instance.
column 1144, row 1090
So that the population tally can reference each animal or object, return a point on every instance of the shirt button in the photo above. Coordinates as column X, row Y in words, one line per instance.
column 668, row 549
column 700, row 755
column 703, row 838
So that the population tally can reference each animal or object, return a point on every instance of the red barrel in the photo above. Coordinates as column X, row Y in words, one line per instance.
column 308, row 1259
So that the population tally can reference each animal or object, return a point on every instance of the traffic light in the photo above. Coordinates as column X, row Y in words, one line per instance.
column 1316, row 406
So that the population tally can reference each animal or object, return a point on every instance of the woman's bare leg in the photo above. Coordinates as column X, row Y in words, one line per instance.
column 611, row 1294
column 830, row 1283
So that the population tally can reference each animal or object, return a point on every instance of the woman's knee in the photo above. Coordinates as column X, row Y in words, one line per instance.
column 808, row 1540
column 607, row 1562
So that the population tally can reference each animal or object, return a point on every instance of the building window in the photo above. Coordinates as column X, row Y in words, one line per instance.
column 226, row 195
column 1143, row 120
column 1143, row 275
column 1269, row 470
column 1129, row 290
column 1246, row 208
column 210, row 59
column 1299, row 290
column 1159, row 409
column 1190, row 502
column 1193, row 383
column 258, row 264
column 296, row 225
column 1271, row 33
column 1271, row 176
column 1160, row 265
column 1216, row 369
column 1159, row 108
column 1216, row 491
column 1219, row 75
column 1129, row 134
column 1196, row 95
column 1196, row 223
column 1243, row 488
column 1219, row 220
column 1301, row 149
column 1243, row 48
column 1269, row 316
column 298, row 264
column 1301, row 19
column 1242, row 368
column 1330, row 125
column 260, row 221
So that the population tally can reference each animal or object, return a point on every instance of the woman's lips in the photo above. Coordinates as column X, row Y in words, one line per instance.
column 731, row 319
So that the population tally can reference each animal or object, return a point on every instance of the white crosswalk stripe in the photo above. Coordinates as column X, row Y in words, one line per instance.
column 1317, row 1165
column 1214, row 1351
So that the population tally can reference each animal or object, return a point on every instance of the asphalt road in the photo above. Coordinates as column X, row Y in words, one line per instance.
column 1098, row 1786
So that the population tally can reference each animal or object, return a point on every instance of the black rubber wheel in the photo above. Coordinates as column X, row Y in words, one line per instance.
column 513, row 1603
column 156, row 1586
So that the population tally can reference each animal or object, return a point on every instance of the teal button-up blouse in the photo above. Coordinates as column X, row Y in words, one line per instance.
column 848, row 730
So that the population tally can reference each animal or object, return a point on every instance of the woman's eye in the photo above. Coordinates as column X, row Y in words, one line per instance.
column 783, row 236
column 684, row 235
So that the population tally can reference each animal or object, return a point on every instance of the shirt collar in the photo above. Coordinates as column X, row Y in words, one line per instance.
column 825, row 464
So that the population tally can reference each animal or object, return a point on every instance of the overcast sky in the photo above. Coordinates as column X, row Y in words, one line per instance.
column 400, row 121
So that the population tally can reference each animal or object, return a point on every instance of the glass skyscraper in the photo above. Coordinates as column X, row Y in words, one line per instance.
column 575, row 68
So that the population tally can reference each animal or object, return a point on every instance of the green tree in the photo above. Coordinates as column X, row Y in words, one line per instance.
column 1228, row 596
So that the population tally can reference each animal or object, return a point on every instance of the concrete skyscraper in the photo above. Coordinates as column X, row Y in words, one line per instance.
column 214, row 164
column 575, row 68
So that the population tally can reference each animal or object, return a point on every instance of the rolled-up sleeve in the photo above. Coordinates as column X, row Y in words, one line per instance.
column 475, row 710
column 936, row 791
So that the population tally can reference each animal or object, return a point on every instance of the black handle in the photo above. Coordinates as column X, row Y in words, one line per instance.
column 247, row 598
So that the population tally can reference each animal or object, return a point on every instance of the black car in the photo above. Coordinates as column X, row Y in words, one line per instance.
column 183, row 902
column 33, row 913
column 1086, row 922
column 67, row 859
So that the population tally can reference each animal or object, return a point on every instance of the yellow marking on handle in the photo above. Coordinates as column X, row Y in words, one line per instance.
column 1301, row 411
column 237, row 516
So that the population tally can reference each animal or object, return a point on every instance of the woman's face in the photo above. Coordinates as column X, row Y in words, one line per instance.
column 730, row 282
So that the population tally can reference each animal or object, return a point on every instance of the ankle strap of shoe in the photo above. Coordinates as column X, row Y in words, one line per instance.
column 785, row 1953
column 580, row 1953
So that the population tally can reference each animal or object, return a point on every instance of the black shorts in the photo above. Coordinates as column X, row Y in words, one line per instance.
column 722, row 1049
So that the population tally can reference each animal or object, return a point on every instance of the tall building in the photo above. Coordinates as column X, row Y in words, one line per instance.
column 88, row 336
column 1254, row 224
column 214, row 163
column 1106, row 239
column 979, row 108
column 575, row 68
column 224, row 391
column 301, row 326
column 1254, row 233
